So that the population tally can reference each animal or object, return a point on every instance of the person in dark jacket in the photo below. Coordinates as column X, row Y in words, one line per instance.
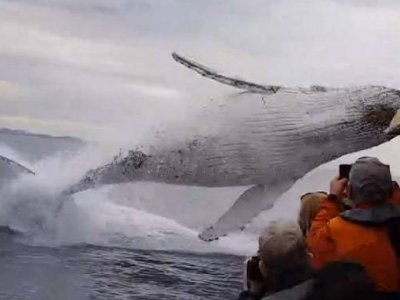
column 283, row 265
column 343, row 281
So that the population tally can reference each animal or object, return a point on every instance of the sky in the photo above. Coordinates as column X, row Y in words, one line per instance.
column 102, row 69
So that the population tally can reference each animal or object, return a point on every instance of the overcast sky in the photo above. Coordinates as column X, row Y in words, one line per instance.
column 95, row 68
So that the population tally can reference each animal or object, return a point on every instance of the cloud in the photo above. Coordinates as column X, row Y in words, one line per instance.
column 11, row 90
column 370, row 3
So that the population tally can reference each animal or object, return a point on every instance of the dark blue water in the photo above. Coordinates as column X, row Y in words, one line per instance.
column 88, row 272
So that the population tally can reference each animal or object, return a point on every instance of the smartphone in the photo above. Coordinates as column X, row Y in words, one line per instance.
column 344, row 171
column 253, row 269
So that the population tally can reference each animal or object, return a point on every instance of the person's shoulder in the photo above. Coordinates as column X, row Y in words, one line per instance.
column 339, row 225
column 297, row 292
column 337, row 222
column 246, row 295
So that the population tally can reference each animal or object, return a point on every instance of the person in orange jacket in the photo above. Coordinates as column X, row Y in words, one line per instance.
column 308, row 209
column 368, row 233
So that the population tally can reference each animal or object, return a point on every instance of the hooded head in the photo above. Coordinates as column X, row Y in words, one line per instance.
column 284, row 258
column 309, row 209
column 370, row 181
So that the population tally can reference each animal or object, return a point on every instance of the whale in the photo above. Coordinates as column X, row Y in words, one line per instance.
column 268, row 137
column 10, row 169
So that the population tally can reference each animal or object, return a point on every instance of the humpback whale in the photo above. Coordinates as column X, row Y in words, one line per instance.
column 10, row 169
column 268, row 138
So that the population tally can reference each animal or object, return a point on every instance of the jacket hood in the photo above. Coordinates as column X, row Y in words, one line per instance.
column 376, row 215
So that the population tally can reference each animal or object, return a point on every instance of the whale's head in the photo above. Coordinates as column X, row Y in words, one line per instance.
column 393, row 129
column 382, row 112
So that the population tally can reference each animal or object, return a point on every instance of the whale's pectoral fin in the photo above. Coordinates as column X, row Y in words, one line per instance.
column 252, row 202
column 235, row 82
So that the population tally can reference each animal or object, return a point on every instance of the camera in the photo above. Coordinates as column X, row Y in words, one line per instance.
column 253, row 269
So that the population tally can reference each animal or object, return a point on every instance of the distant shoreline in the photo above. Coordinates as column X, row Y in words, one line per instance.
column 19, row 132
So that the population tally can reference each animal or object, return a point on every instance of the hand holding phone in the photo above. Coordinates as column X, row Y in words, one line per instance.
column 253, row 269
column 339, row 183
column 255, row 282
column 344, row 171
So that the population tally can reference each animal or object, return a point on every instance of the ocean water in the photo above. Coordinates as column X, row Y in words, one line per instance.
column 128, row 241
column 83, row 272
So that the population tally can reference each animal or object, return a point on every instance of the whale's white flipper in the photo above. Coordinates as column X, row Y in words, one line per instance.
column 10, row 169
column 235, row 82
column 251, row 203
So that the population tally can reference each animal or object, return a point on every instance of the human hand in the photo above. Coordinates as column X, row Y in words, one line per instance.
column 338, row 187
column 255, row 288
column 254, row 277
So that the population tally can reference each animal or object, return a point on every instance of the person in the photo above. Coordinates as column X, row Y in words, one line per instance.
column 308, row 209
column 342, row 281
column 396, row 193
column 284, row 265
column 368, row 233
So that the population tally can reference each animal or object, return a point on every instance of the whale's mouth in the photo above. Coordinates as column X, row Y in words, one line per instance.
column 394, row 127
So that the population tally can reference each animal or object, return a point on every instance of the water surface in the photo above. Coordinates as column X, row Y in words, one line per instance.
column 88, row 272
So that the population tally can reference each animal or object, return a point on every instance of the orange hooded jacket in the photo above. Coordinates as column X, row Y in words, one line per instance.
column 356, row 236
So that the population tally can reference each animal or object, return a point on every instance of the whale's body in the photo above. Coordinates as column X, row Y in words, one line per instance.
column 264, row 141
column 270, row 143
column 265, row 138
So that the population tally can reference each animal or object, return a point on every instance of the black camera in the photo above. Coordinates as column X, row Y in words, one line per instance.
column 253, row 269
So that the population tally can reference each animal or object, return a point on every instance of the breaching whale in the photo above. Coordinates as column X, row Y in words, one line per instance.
column 269, row 137
column 10, row 169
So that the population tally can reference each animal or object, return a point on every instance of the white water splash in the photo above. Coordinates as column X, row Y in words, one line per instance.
column 147, row 215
